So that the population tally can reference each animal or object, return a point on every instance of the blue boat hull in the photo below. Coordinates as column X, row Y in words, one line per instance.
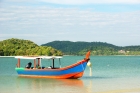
column 73, row 71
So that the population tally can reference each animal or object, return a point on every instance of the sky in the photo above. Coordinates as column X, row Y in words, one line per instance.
column 41, row 21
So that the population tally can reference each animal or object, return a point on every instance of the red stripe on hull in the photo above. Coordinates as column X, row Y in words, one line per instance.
column 78, row 75
column 73, row 75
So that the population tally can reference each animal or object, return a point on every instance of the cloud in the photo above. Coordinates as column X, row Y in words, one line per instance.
column 74, row 2
column 43, row 24
column 45, row 17
column 27, row 16
column 20, row 35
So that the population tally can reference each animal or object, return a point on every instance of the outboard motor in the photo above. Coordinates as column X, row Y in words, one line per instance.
column 29, row 65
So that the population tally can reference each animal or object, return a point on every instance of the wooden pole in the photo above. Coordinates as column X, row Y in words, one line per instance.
column 34, row 63
column 38, row 62
column 53, row 63
column 59, row 62
column 18, row 63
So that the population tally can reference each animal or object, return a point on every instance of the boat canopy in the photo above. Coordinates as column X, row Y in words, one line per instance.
column 38, row 57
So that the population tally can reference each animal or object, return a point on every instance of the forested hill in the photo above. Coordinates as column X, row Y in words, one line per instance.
column 13, row 47
column 96, row 48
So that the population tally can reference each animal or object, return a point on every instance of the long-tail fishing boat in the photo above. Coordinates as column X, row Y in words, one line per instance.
column 73, row 71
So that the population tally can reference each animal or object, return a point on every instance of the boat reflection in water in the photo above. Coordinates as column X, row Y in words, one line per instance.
column 42, row 85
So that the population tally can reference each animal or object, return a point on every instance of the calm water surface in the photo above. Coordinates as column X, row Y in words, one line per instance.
column 110, row 74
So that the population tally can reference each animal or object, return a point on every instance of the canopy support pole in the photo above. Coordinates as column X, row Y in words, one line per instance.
column 53, row 64
column 18, row 65
column 59, row 62
column 34, row 63
column 38, row 62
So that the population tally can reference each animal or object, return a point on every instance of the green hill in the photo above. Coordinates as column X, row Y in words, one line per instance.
column 13, row 47
column 96, row 48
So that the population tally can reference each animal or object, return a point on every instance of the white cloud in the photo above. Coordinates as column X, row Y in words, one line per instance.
column 61, row 16
column 20, row 35
column 76, row 2
column 47, row 23
column 73, row 2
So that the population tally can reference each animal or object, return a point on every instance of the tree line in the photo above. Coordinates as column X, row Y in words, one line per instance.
column 14, row 47
column 96, row 48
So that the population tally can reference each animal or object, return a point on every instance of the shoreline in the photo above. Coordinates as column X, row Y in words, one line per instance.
column 7, row 56
column 76, row 55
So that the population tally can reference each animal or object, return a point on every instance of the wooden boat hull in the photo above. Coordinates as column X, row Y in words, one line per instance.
column 73, row 71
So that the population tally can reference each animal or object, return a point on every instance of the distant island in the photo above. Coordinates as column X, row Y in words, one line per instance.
column 96, row 48
column 14, row 47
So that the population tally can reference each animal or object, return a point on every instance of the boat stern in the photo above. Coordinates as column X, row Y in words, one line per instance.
column 19, row 70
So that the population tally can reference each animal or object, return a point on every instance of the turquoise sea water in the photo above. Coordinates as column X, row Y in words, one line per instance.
column 110, row 74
